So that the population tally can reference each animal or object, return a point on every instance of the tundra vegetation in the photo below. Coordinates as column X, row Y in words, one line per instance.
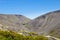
column 9, row 35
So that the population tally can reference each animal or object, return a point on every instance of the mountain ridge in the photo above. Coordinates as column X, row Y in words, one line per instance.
column 47, row 24
column 13, row 22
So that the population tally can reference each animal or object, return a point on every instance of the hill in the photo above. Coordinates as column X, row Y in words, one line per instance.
column 13, row 22
column 47, row 24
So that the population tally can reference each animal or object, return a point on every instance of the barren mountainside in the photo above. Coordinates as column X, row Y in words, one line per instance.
column 13, row 22
column 48, row 24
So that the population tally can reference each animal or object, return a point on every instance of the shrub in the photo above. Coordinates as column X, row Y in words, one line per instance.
column 9, row 35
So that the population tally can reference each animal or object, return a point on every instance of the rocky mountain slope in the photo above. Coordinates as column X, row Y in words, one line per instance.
column 48, row 24
column 13, row 22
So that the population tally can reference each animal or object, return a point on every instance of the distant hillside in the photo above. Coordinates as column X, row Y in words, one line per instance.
column 13, row 22
column 48, row 24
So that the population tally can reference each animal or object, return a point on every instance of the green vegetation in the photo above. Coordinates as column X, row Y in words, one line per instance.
column 9, row 35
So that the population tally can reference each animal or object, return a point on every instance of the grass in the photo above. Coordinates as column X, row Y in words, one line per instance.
column 9, row 35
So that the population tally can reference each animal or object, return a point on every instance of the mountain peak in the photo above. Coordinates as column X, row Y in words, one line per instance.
column 57, row 11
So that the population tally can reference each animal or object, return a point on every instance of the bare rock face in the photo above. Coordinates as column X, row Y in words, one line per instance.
column 13, row 22
column 48, row 24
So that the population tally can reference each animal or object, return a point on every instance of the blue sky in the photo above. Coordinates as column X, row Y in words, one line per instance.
column 28, row 8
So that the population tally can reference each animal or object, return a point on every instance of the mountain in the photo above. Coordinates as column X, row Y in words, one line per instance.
column 13, row 22
column 47, row 24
